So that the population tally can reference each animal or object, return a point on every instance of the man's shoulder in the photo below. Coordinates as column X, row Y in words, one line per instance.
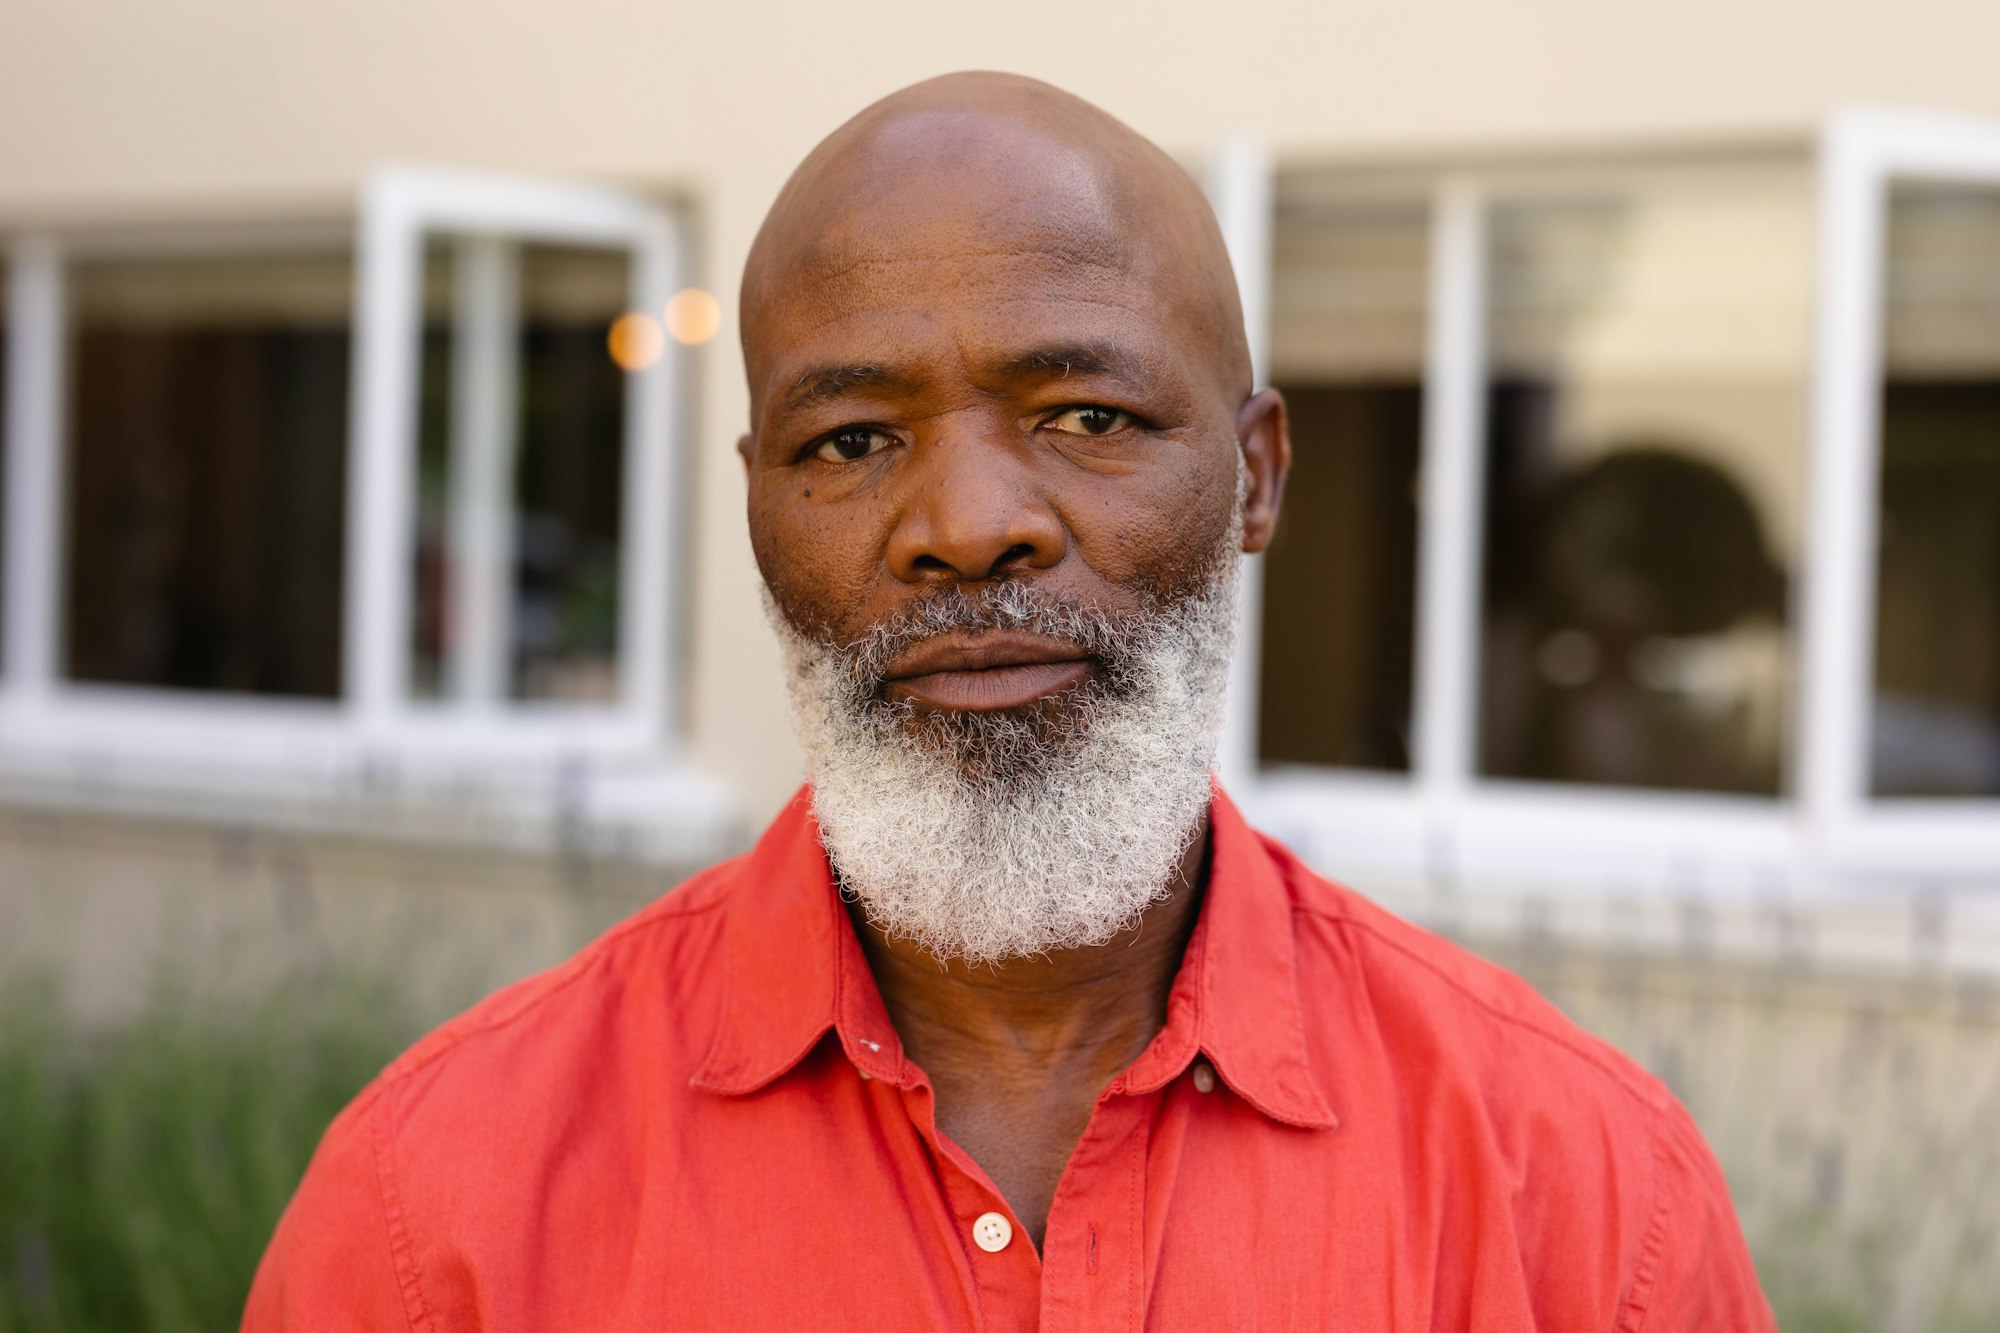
column 1435, row 1005
column 651, row 979
column 1452, row 1058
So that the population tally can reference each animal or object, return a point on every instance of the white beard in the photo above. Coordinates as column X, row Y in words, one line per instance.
column 993, row 836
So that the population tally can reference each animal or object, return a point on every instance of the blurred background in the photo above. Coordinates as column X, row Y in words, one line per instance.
column 377, row 621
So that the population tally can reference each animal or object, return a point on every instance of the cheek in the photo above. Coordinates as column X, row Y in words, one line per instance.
column 1161, row 530
column 818, row 559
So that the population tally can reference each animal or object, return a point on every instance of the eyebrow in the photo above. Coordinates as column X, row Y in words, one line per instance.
column 1103, row 360
column 1062, row 360
column 826, row 383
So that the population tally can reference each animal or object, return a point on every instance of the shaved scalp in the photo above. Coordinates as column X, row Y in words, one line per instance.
column 993, row 165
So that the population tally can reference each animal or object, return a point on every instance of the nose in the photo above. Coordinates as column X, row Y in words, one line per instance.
column 973, row 512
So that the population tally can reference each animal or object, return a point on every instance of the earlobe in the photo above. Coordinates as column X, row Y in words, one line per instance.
column 1266, row 446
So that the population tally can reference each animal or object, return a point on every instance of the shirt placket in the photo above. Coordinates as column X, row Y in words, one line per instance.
column 1006, row 1272
column 1093, row 1253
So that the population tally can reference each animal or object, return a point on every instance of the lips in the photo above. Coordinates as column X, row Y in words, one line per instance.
column 989, row 672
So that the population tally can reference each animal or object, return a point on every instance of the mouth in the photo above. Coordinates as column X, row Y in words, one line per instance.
column 987, row 673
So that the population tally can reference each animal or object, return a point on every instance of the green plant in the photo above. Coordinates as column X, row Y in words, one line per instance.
column 142, row 1170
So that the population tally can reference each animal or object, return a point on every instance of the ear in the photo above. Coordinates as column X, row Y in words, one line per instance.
column 746, row 447
column 1266, row 443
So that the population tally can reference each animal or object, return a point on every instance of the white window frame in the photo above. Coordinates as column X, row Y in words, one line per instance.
column 372, row 735
column 1442, row 823
column 1863, row 154
column 402, row 205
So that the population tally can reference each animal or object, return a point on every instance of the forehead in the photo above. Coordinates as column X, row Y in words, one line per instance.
column 963, row 234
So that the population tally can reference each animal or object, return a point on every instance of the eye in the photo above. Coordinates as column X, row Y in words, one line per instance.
column 1091, row 420
column 851, row 445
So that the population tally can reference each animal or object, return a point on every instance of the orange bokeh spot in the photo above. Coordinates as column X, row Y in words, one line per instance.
column 693, row 316
column 636, row 341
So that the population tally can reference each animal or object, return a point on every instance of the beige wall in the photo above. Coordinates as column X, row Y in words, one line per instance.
column 123, row 110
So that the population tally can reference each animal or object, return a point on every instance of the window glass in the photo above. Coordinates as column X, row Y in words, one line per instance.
column 207, row 456
column 1646, row 389
column 520, row 473
column 1936, row 717
column 1348, row 331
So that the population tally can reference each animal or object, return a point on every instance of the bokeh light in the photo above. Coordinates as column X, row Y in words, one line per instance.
column 636, row 341
column 693, row 316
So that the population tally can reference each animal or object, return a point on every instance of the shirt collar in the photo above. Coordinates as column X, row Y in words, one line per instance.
column 1236, row 997
column 794, row 970
column 792, row 967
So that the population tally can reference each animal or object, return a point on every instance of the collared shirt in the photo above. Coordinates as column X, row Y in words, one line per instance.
column 705, row 1121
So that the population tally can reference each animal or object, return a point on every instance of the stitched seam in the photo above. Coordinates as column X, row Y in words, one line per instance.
column 1589, row 1057
column 1637, row 1302
column 402, row 1250
column 1135, row 1220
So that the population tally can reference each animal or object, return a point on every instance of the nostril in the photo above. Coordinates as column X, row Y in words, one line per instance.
column 1020, row 551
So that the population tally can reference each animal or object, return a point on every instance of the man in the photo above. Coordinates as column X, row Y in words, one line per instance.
column 1009, row 1021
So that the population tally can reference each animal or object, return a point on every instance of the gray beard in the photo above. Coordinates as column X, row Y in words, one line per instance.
column 991, row 836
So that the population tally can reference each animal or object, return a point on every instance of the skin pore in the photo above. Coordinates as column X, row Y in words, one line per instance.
column 992, row 334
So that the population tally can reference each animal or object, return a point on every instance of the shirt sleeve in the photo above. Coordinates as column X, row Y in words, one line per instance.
column 339, row 1260
column 1695, row 1272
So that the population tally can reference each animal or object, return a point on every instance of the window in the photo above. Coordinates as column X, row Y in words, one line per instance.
column 1702, row 579
column 517, row 490
column 295, row 500
column 1647, row 358
column 1534, row 586
column 516, row 565
column 207, row 451
column 1936, row 697
column 1348, row 309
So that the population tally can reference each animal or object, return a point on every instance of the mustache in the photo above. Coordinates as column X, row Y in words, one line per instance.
column 1021, row 607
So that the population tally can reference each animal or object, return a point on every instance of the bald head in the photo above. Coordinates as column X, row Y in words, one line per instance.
column 1003, row 181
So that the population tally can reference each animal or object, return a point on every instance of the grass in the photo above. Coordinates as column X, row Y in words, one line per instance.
column 141, row 1171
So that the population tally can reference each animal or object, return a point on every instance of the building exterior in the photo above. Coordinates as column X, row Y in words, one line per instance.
column 370, row 384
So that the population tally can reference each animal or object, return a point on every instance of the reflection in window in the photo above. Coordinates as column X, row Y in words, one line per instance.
column 1936, row 719
column 1338, row 627
column 1646, row 385
column 520, row 473
column 207, row 432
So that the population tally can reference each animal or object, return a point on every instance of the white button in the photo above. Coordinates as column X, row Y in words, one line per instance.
column 992, row 1232
column 1204, row 1076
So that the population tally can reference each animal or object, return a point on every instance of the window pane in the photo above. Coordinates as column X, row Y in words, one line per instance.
column 1936, row 723
column 1646, row 391
column 520, row 473
column 1348, row 307
column 568, row 484
column 207, row 459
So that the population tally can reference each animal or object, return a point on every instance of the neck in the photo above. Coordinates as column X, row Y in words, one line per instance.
column 1094, row 1007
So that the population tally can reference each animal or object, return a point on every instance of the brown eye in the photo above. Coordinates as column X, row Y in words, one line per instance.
column 1090, row 420
column 848, row 446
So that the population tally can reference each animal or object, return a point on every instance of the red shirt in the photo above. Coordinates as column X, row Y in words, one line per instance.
column 705, row 1121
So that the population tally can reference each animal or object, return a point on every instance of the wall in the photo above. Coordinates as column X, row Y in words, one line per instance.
column 122, row 111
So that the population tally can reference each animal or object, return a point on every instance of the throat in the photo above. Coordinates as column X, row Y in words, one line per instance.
column 1018, row 1052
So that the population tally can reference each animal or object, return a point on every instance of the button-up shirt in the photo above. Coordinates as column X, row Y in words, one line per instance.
column 705, row 1121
